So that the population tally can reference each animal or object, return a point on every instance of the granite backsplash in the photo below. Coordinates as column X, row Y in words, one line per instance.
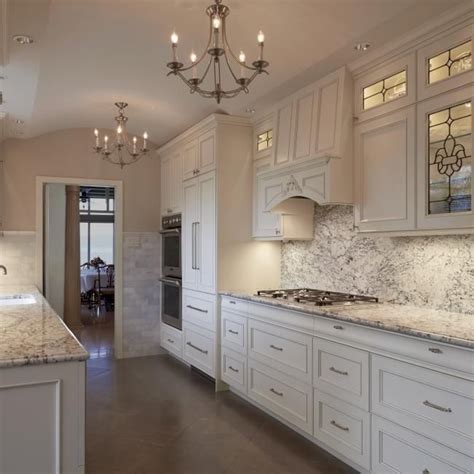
column 437, row 272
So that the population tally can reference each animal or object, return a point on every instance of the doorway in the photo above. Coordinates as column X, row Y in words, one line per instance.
column 79, row 258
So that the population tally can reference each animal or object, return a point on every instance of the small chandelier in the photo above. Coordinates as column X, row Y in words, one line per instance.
column 218, row 52
column 123, row 152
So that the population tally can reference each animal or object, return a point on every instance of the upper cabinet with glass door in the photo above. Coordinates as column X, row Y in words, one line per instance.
column 385, row 89
column 445, row 64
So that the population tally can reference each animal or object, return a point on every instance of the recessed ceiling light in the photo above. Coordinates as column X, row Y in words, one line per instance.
column 23, row 39
column 362, row 46
column 250, row 110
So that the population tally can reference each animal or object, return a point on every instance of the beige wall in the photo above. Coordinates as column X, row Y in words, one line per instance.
column 68, row 153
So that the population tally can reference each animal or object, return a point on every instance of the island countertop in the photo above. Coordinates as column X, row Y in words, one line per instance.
column 34, row 334
column 435, row 325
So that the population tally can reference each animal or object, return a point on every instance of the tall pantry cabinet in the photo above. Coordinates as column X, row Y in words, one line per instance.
column 218, row 252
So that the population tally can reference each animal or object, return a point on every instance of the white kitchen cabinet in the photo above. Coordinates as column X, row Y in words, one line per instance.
column 171, row 183
column 385, row 172
column 199, row 234
column 283, row 132
column 199, row 155
column 200, row 309
column 445, row 181
column 199, row 348
column 263, row 134
column 445, row 64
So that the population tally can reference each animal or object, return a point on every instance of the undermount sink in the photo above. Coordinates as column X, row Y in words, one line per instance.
column 16, row 300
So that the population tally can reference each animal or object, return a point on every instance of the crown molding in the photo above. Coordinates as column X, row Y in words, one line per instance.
column 210, row 122
column 453, row 19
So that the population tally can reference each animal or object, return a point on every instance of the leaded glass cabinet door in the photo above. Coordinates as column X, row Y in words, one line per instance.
column 445, row 64
column 445, row 174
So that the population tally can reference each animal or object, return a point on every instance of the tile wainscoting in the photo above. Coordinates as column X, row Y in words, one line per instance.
column 426, row 271
column 141, row 298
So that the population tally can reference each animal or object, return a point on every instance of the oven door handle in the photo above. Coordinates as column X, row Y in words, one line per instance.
column 170, row 231
column 171, row 282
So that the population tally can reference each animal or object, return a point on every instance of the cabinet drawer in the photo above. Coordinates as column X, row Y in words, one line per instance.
column 199, row 309
column 234, row 304
column 343, row 427
column 198, row 348
column 234, row 331
column 398, row 450
column 172, row 340
column 234, row 369
column 431, row 403
column 341, row 371
column 285, row 350
column 286, row 397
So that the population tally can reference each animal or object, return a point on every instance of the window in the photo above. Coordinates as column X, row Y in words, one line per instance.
column 265, row 140
column 450, row 161
column 387, row 89
column 449, row 63
column 96, row 208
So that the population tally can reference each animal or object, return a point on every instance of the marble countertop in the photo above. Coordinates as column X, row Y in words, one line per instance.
column 34, row 334
column 426, row 323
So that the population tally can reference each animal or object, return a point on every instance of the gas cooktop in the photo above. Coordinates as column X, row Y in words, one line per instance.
column 317, row 297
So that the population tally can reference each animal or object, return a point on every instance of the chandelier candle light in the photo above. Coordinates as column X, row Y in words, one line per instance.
column 123, row 152
column 218, row 52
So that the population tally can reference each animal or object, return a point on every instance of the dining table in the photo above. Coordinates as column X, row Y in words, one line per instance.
column 89, row 276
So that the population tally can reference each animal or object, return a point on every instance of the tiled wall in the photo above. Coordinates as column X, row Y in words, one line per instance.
column 17, row 253
column 141, row 297
column 434, row 271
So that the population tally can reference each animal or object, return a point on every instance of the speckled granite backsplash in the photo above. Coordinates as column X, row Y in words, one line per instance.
column 426, row 271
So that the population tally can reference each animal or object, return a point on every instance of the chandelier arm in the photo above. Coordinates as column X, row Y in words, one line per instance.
column 230, row 68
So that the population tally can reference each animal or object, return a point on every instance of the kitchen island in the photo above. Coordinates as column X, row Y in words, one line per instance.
column 384, row 387
column 42, row 387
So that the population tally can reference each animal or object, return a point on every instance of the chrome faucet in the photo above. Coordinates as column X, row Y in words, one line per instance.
column 3, row 268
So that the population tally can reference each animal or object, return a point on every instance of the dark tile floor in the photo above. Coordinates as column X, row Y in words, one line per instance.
column 153, row 415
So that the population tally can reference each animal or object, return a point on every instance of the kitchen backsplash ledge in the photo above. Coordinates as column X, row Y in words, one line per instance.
column 437, row 272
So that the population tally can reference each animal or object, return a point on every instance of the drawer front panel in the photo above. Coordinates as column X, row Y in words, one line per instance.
column 342, row 427
column 234, row 331
column 198, row 348
column 282, row 349
column 199, row 309
column 288, row 398
column 426, row 401
column 341, row 371
column 397, row 450
column 171, row 340
column 234, row 304
column 234, row 369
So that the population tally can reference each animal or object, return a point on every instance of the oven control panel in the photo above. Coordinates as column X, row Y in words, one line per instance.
column 171, row 222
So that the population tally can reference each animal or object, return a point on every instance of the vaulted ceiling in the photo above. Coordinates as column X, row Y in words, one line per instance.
column 88, row 54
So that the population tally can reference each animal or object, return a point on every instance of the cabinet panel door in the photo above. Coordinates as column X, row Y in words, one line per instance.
column 385, row 170
column 267, row 224
column 176, row 183
column 445, row 179
column 190, row 159
column 325, row 118
column 166, row 173
column 206, row 233
column 206, row 160
column 190, row 220
column 283, row 133
column 303, row 106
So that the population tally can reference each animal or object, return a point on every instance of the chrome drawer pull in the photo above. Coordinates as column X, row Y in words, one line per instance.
column 338, row 327
column 233, row 332
column 197, row 348
column 340, row 372
column 435, row 350
column 276, row 348
column 437, row 407
column 337, row 425
column 233, row 370
column 197, row 309
column 171, row 340
column 280, row 394
column 232, row 302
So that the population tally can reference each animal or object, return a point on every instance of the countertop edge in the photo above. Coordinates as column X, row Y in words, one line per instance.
column 379, row 325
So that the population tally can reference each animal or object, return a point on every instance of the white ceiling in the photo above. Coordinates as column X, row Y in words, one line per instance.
column 90, row 53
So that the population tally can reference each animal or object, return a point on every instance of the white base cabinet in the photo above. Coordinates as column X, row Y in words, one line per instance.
column 342, row 386
column 42, row 413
